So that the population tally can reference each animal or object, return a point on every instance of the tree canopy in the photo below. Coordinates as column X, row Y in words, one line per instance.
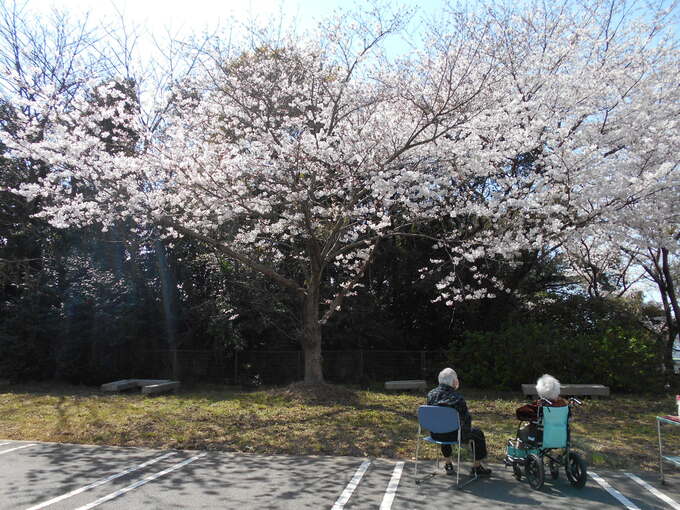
column 511, row 129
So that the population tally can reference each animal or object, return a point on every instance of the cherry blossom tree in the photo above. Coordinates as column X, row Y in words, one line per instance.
column 649, row 233
column 509, row 128
column 638, row 240
column 596, row 262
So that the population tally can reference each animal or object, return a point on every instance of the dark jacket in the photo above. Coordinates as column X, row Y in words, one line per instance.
column 529, row 412
column 445, row 395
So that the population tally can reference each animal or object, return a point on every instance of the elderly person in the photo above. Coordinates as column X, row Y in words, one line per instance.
column 446, row 395
column 548, row 390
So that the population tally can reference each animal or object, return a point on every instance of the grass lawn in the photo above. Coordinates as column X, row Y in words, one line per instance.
column 619, row 432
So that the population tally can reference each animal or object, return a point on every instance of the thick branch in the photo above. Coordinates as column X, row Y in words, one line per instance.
column 244, row 259
column 337, row 302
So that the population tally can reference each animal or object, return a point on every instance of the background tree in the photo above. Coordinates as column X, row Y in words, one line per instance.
column 602, row 268
column 649, row 232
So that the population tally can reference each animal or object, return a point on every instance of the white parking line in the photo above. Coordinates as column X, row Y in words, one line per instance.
column 17, row 448
column 3, row 444
column 611, row 490
column 99, row 482
column 351, row 486
column 133, row 486
column 654, row 491
column 391, row 490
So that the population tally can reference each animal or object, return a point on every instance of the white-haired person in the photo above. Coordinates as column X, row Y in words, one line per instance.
column 548, row 390
column 446, row 394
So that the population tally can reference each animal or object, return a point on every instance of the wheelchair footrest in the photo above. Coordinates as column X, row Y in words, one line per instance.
column 517, row 451
column 511, row 461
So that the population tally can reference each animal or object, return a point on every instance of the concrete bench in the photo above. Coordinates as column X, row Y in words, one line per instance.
column 572, row 390
column 148, row 386
column 152, row 389
column 122, row 385
column 406, row 385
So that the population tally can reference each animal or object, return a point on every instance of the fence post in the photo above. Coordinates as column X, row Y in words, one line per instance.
column 301, row 369
column 423, row 367
column 236, row 368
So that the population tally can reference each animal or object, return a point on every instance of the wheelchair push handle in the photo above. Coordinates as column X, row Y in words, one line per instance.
column 574, row 401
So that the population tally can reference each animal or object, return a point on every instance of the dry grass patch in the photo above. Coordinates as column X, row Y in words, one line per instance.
column 298, row 419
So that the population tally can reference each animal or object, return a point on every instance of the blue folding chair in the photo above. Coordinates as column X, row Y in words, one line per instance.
column 440, row 420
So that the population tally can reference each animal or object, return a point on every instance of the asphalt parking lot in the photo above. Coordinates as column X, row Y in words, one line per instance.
column 65, row 476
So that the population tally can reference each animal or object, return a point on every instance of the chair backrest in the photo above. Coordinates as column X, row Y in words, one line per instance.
column 555, row 423
column 438, row 419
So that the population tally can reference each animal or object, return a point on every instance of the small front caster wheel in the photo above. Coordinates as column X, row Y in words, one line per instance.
column 534, row 471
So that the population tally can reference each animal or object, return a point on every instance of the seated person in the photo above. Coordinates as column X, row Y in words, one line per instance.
column 548, row 389
column 446, row 395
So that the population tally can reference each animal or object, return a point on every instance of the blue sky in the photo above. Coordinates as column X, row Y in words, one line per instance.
column 181, row 16
column 177, row 19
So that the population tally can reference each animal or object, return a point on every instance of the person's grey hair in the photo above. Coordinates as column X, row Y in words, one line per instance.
column 449, row 377
column 548, row 387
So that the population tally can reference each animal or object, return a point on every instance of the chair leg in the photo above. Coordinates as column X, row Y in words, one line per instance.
column 418, row 481
column 472, row 478
column 428, row 476
column 458, row 466
column 417, row 448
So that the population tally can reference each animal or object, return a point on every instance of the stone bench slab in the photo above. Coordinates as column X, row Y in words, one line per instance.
column 576, row 390
column 405, row 385
column 151, row 389
column 122, row 385
column 127, row 384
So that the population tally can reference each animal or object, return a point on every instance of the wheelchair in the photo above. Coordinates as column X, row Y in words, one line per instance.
column 551, row 446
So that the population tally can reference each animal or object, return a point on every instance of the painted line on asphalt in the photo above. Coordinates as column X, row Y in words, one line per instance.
column 141, row 482
column 351, row 486
column 663, row 497
column 3, row 444
column 611, row 490
column 17, row 448
column 99, row 482
column 391, row 490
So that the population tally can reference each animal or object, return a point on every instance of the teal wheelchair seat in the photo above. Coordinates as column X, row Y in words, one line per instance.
column 555, row 426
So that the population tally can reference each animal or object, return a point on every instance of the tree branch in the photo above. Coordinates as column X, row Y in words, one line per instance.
column 253, row 264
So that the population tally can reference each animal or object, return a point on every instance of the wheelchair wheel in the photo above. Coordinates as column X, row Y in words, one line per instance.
column 554, row 470
column 517, row 471
column 534, row 471
column 577, row 470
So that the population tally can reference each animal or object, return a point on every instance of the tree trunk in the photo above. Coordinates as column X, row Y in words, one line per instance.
column 313, row 369
column 668, row 364
column 658, row 270
column 671, row 308
column 311, row 334
column 670, row 286
column 668, row 344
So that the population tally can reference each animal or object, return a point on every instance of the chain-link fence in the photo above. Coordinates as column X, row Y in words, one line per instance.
column 282, row 367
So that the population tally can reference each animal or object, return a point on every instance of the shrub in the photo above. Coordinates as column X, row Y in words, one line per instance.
column 576, row 339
